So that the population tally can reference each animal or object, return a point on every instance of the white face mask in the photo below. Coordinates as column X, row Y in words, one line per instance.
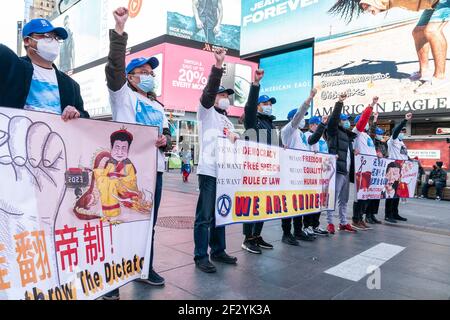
column 302, row 124
column 267, row 110
column 47, row 50
column 367, row 127
column 224, row 104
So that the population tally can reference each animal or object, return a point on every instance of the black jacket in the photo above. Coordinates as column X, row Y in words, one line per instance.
column 439, row 175
column 15, row 82
column 380, row 146
column 340, row 142
column 259, row 127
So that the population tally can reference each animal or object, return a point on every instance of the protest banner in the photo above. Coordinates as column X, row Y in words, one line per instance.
column 76, row 204
column 380, row 178
column 257, row 182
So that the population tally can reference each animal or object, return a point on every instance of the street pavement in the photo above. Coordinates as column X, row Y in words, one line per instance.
column 414, row 258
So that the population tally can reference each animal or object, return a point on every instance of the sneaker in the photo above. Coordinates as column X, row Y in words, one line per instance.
column 205, row 266
column 431, row 86
column 390, row 220
column 364, row 225
column 310, row 231
column 399, row 218
column 224, row 258
column 358, row 226
column 320, row 232
column 303, row 236
column 330, row 228
column 154, row 279
column 422, row 197
column 114, row 297
column 369, row 219
column 251, row 246
column 438, row 198
column 262, row 244
column 290, row 240
column 375, row 220
column 347, row 228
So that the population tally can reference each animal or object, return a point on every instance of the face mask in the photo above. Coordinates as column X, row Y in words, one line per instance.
column 367, row 127
column 48, row 51
column 346, row 124
column 224, row 104
column 302, row 124
column 147, row 83
column 379, row 137
column 267, row 110
column 401, row 136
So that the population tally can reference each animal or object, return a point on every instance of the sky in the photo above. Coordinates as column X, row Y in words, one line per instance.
column 8, row 23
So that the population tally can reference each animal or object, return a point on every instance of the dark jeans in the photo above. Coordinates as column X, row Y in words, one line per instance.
column 439, row 189
column 373, row 206
column 312, row 220
column 252, row 230
column 205, row 230
column 391, row 209
column 298, row 225
column 359, row 208
column 158, row 195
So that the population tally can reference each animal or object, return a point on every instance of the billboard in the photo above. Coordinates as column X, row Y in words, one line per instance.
column 288, row 78
column 212, row 21
column 269, row 24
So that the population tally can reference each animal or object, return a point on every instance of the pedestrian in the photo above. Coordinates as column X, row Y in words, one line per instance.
column 213, row 122
column 397, row 150
column 33, row 82
column 340, row 142
column 437, row 179
column 292, row 137
column 132, row 98
column 364, row 145
column 317, row 143
column 258, row 123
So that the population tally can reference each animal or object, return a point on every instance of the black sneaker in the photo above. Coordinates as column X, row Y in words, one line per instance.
column 262, row 244
column 154, row 279
column 375, row 220
column 113, row 297
column 391, row 220
column 369, row 219
column 320, row 232
column 224, row 258
column 290, row 240
column 205, row 266
column 251, row 246
column 303, row 236
column 400, row 218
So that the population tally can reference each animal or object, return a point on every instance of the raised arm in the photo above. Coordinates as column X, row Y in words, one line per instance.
column 251, row 108
column 301, row 112
column 315, row 137
column 115, row 68
column 398, row 129
column 208, row 97
column 374, row 125
column 335, row 118
column 365, row 117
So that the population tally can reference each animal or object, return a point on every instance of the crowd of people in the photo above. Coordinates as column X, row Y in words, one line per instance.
column 34, row 83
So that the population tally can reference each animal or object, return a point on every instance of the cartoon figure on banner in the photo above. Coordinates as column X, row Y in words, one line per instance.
column 363, row 178
column 113, row 183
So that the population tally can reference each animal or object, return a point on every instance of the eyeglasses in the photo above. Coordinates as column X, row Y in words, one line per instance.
column 49, row 37
column 151, row 73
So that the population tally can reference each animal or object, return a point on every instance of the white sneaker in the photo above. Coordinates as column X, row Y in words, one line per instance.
column 432, row 86
column 438, row 198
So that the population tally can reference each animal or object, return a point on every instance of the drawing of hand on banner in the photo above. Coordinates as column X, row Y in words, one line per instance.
column 32, row 165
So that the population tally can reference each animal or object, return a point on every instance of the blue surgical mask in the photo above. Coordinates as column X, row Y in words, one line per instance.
column 267, row 110
column 367, row 127
column 302, row 124
column 401, row 136
column 147, row 83
column 379, row 137
column 346, row 124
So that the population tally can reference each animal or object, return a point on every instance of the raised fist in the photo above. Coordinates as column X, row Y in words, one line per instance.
column 121, row 17
column 219, row 55
column 342, row 97
column 259, row 74
column 408, row 116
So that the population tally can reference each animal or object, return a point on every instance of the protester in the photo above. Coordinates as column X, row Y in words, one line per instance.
column 258, row 122
column 363, row 144
column 381, row 147
column 317, row 143
column 186, row 157
column 340, row 140
column 213, row 122
column 33, row 82
column 437, row 179
column 397, row 150
column 428, row 34
column 133, row 101
column 292, row 137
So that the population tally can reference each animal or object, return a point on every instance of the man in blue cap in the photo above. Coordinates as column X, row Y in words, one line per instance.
column 293, row 138
column 33, row 82
column 258, row 123
column 314, row 136
column 132, row 97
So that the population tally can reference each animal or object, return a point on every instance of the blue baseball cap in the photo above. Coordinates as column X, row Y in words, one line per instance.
column 344, row 117
column 139, row 62
column 379, row 131
column 315, row 120
column 356, row 119
column 222, row 89
column 265, row 98
column 292, row 113
column 42, row 26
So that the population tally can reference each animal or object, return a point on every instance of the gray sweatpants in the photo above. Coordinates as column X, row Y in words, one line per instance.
column 342, row 195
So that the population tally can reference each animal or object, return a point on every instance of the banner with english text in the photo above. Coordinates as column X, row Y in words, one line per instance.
column 76, row 205
column 380, row 178
column 257, row 182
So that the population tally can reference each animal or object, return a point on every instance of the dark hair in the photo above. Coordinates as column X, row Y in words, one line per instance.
column 121, row 136
column 347, row 9
column 393, row 165
column 439, row 164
